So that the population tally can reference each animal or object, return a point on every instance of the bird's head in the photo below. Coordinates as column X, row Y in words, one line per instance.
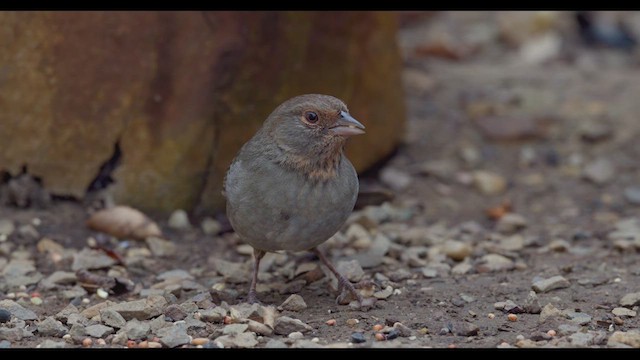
column 312, row 125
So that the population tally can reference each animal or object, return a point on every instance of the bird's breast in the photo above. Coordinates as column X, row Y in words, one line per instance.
column 276, row 209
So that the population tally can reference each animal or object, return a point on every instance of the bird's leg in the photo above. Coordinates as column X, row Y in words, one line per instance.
column 343, row 283
column 251, row 297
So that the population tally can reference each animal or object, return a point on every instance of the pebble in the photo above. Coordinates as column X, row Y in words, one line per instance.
column 512, row 243
column 98, row 331
column 352, row 322
column 510, row 223
column 489, row 183
column 136, row 329
column 6, row 227
column 259, row 328
column 594, row 131
column 599, row 171
column 51, row 327
column 331, row 322
column 294, row 302
column 285, row 325
column 456, row 250
column 351, row 270
column 210, row 226
column 174, row 336
column 512, row 317
column 579, row 318
column 630, row 338
column 244, row 340
column 36, row 301
column 160, row 247
column 89, row 259
column 551, row 333
column 430, row 273
column 580, row 339
column 112, row 318
column 175, row 312
column 508, row 307
column 399, row 275
column 142, row 309
column 5, row 316
column 380, row 337
column 275, row 344
column 58, row 278
column 532, row 304
column 179, row 220
column 620, row 311
column 17, row 310
column 458, row 269
column 51, row 344
column 383, row 294
column 154, row 345
column 466, row 329
column 95, row 309
column 559, row 245
column 393, row 334
column 549, row 311
column 491, row 316
column 234, row 329
column 87, row 342
column 629, row 300
column 632, row 194
column 214, row 315
column 545, row 285
column 495, row 262
column 296, row 335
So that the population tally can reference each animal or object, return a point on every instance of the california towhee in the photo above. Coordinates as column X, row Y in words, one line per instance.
column 291, row 187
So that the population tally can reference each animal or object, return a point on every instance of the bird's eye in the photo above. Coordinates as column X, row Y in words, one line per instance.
column 311, row 116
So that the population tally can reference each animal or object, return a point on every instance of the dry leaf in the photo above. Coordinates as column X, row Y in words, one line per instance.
column 124, row 222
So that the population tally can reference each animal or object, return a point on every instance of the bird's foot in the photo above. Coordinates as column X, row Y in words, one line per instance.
column 252, row 298
column 349, row 294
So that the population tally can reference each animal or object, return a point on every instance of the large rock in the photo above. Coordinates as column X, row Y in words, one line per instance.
column 181, row 92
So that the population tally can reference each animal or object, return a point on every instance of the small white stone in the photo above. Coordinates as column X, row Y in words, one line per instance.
column 102, row 293
column 295, row 335
column 36, row 221
column 86, row 301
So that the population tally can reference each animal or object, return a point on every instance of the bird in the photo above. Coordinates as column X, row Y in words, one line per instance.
column 291, row 187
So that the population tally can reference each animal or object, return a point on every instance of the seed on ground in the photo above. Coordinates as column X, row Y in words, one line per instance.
column 199, row 341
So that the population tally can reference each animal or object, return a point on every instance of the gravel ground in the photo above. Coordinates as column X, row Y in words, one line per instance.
column 512, row 219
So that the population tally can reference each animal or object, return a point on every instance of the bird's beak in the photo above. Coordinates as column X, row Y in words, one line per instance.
column 347, row 126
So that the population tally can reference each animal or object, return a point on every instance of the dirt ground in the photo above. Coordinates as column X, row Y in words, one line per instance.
column 521, row 163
